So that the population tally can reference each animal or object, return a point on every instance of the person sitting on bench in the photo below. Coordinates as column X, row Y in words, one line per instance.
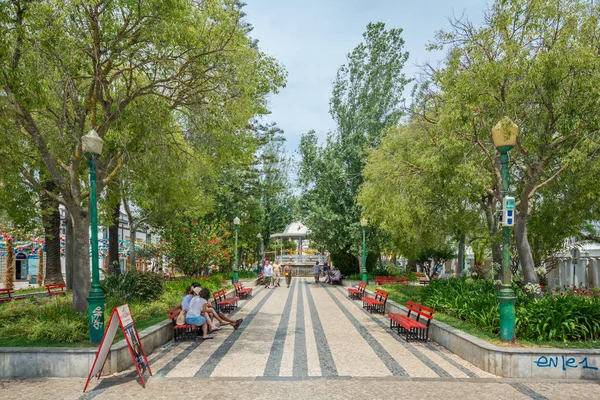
column 335, row 276
column 210, row 312
column 194, row 316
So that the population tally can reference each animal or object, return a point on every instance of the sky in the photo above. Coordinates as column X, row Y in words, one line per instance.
column 311, row 38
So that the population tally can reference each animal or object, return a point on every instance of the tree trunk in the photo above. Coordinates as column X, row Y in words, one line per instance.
column 489, row 206
column 132, row 233
column 69, row 264
column 523, row 249
column 113, row 237
column 461, row 255
column 51, row 221
column 81, row 259
column 132, row 237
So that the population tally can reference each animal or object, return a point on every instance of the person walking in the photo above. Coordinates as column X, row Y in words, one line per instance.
column 287, row 272
column 276, row 273
column 268, row 274
column 316, row 271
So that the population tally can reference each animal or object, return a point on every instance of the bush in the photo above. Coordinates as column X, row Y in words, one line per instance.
column 563, row 318
column 133, row 286
column 471, row 300
column 381, row 272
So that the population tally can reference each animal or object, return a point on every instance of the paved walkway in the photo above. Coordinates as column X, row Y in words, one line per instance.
column 308, row 341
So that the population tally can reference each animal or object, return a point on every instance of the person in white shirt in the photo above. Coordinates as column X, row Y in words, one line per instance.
column 335, row 276
column 194, row 314
column 268, row 274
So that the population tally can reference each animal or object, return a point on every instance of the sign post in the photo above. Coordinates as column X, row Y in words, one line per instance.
column 120, row 316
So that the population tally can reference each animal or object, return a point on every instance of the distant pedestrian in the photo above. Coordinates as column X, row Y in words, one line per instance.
column 287, row 272
column 276, row 273
column 316, row 271
column 268, row 274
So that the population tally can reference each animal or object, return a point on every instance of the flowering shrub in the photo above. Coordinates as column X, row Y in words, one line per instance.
column 532, row 288
column 194, row 245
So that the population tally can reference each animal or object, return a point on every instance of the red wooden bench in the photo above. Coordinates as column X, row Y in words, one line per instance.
column 6, row 295
column 403, row 280
column 181, row 332
column 356, row 293
column 226, row 305
column 377, row 303
column 413, row 328
column 55, row 288
column 241, row 291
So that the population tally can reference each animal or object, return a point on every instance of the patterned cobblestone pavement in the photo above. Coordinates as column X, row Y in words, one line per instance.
column 308, row 341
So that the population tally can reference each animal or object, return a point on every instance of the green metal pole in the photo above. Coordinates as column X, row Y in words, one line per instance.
column 235, row 267
column 506, row 297
column 96, row 297
column 365, row 278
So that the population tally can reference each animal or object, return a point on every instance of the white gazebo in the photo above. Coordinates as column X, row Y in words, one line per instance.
column 296, row 231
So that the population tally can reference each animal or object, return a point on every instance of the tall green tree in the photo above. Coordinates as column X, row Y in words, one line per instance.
column 70, row 67
column 366, row 99
column 537, row 63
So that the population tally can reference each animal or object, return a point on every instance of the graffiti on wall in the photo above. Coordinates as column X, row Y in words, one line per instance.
column 564, row 362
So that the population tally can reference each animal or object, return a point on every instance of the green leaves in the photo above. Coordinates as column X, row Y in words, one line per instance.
column 366, row 99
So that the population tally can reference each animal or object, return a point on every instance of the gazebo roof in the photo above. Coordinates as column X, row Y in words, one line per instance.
column 293, row 230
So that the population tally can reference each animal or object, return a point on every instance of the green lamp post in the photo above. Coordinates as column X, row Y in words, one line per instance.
column 504, row 135
column 236, row 223
column 363, row 224
column 91, row 145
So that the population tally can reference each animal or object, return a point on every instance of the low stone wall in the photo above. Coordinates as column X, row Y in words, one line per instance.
column 37, row 362
column 511, row 362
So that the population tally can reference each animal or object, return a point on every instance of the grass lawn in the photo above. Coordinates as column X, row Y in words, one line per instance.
column 402, row 293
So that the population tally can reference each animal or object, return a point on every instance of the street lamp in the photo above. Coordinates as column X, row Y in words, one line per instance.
column 236, row 223
column 363, row 224
column 504, row 135
column 91, row 145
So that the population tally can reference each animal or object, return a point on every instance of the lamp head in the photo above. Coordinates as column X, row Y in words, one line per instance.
column 92, row 144
column 364, row 222
column 236, row 221
column 505, row 134
column 258, row 236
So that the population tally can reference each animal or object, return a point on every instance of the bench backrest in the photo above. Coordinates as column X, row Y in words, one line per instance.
column 174, row 310
column 361, row 287
column 174, row 313
column 382, row 294
column 420, row 310
column 7, row 291
column 55, row 286
column 219, row 295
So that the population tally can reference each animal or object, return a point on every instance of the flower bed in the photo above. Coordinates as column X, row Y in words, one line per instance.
column 565, row 317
